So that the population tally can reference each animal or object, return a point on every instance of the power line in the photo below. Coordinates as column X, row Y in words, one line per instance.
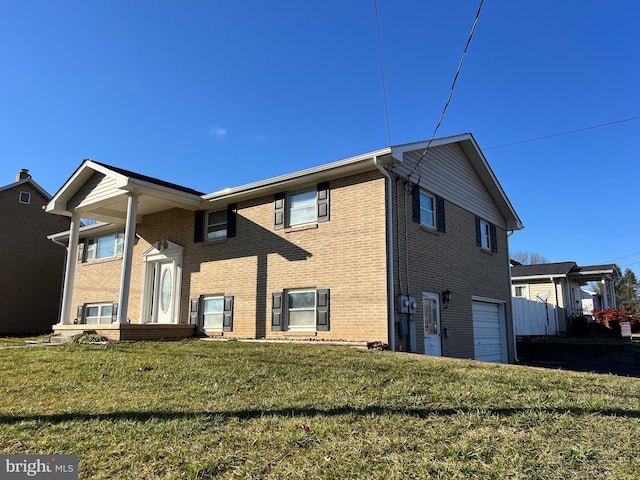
column 626, row 256
column 384, row 84
column 563, row 133
column 453, row 85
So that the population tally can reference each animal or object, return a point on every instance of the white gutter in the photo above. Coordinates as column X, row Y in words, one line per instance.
column 390, row 279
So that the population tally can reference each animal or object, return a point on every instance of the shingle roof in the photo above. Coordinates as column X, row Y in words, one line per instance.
column 145, row 178
column 542, row 269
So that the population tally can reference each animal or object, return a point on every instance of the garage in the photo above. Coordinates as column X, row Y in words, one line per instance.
column 487, row 334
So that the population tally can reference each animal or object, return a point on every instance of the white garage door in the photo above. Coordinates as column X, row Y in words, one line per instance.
column 486, row 332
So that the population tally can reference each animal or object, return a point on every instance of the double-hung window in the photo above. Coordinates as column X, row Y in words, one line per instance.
column 216, row 227
column 212, row 313
column 486, row 235
column 105, row 247
column 213, row 225
column 300, row 310
column 428, row 210
column 302, row 207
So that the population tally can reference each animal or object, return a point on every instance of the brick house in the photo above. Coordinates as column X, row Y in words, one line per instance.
column 32, row 266
column 392, row 246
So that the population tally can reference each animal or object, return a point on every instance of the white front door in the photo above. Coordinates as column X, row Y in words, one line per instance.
column 431, row 316
column 163, row 293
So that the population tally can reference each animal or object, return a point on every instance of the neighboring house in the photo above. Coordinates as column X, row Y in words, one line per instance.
column 559, row 285
column 32, row 267
column 392, row 246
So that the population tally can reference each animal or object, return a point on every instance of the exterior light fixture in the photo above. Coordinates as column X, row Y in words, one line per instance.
column 446, row 297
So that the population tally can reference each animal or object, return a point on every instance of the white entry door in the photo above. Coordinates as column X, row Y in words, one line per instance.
column 163, row 301
column 431, row 316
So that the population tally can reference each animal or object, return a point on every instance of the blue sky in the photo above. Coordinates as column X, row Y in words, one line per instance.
column 213, row 94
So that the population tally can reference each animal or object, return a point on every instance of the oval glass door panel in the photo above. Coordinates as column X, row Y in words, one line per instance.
column 165, row 290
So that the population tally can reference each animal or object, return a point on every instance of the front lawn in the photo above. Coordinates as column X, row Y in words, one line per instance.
column 203, row 410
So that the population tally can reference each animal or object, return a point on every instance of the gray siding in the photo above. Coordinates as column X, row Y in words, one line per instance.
column 446, row 171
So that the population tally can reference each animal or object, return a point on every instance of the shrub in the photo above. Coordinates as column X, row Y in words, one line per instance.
column 612, row 317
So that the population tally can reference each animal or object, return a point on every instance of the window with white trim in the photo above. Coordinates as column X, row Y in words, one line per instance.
column 98, row 313
column 521, row 291
column 427, row 210
column 301, row 309
column 212, row 313
column 302, row 207
column 216, row 226
column 105, row 247
column 485, row 235
column 24, row 197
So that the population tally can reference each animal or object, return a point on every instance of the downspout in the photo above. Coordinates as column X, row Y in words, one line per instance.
column 513, row 323
column 390, row 279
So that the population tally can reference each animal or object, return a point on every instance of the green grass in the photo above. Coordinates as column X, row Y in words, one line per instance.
column 21, row 341
column 202, row 410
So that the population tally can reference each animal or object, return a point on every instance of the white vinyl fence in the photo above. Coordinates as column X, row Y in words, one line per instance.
column 533, row 318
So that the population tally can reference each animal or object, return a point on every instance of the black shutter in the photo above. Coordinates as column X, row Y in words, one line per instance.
column 80, row 315
column 277, row 322
column 232, row 210
column 194, row 312
column 415, row 203
column 279, row 211
column 494, row 238
column 322, row 309
column 114, row 313
column 198, row 229
column 81, row 251
column 227, row 314
column 440, row 213
column 323, row 201
column 478, row 233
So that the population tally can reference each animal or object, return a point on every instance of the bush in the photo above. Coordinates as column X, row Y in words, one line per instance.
column 612, row 317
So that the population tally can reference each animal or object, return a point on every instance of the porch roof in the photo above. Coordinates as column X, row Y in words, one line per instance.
column 543, row 271
column 99, row 191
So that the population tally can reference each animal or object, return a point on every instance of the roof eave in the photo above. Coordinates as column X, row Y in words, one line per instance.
column 329, row 171
column 481, row 165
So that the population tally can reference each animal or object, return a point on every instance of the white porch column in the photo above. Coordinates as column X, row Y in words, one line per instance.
column 605, row 294
column 70, row 270
column 127, row 257
column 612, row 292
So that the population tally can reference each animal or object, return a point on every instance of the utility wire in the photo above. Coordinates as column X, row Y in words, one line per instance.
column 384, row 84
column 626, row 256
column 563, row 133
column 453, row 86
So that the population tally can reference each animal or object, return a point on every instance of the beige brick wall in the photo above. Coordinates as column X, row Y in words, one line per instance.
column 346, row 255
column 450, row 260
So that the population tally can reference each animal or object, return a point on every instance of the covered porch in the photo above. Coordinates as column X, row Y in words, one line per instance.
column 118, row 200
